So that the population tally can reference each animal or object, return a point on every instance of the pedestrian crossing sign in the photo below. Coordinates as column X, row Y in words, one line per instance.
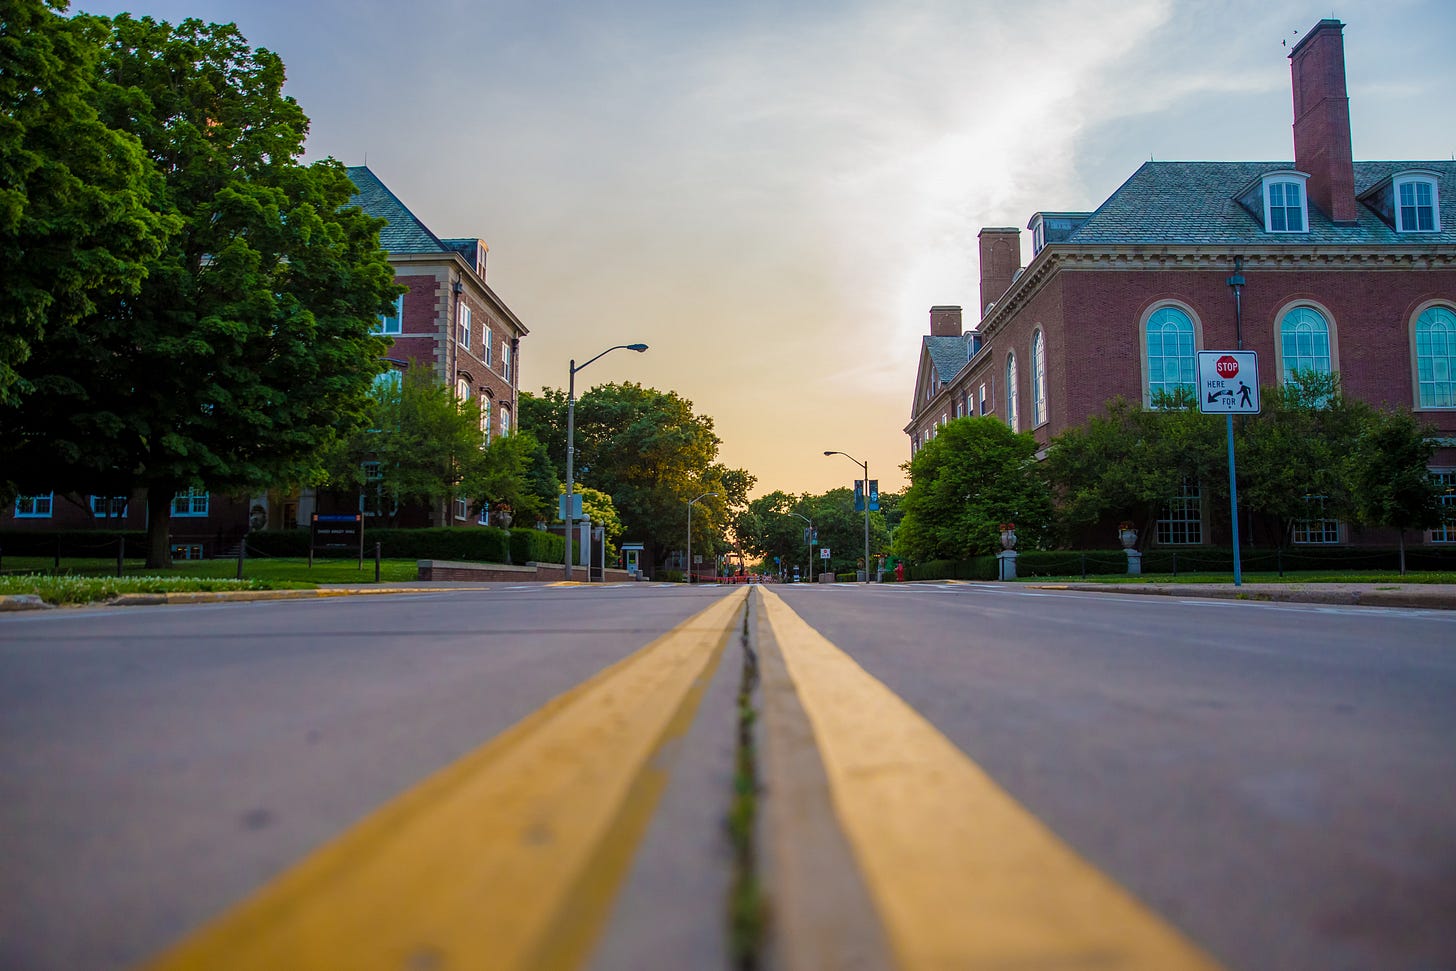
column 1228, row 382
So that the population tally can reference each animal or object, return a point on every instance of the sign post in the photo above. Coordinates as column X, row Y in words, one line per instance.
column 1228, row 383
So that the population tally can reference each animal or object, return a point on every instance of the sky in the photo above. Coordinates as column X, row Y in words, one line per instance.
column 773, row 195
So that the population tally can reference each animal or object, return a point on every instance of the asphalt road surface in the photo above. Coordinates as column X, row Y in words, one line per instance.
column 1275, row 781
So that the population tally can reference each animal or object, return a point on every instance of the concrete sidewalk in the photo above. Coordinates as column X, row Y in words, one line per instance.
column 1428, row 596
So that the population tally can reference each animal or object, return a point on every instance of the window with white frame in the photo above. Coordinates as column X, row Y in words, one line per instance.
column 1304, row 342
column 960, row 408
column 462, row 388
column 34, row 507
column 985, row 402
column 1011, row 415
column 485, row 417
column 108, row 507
column 387, row 382
column 506, row 361
column 505, row 416
column 1181, row 523
column 482, row 515
column 1435, row 339
column 1446, row 532
column 190, row 502
column 1285, row 209
column 486, row 340
column 371, row 497
column 462, row 508
column 463, row 331
column 1416, row 206
column 391, row 323
column 1038, row 379
column 1316, row 527
column 1171, row 352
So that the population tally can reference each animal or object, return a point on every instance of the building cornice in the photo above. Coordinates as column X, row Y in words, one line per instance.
column 465, row 269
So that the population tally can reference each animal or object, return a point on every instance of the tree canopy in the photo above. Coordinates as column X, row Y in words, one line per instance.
column 247, row 344
column 975, row 475
column 651, row 453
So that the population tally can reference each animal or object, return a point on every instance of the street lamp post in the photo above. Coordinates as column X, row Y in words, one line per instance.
column 570, row 516
column 690, row 533
column 866, row 466
column 809, row 542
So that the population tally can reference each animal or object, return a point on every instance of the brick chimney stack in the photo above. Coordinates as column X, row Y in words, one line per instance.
column 1322, row 120
column 1000, row 259
column 945, row 321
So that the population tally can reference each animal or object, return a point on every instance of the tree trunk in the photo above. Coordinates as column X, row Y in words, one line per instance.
column 159, row 527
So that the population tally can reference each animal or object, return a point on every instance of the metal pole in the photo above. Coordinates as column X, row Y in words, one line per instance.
column 1234, row 502
column 242, row 554
column 690, row 543
column 867, row 520
column 376, row 561
column 570, row 449
column 120, row 553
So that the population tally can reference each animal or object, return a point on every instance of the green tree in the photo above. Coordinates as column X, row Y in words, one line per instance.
column 248, row 345
column 841, row 528
column 1393, row 485
column 973, row 476
column 75, row 219
column 597, row 506
column 651, row 453
column 517, row 474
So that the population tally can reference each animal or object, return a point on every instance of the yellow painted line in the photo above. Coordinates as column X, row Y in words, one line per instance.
column 506, row 859
column 961, row 874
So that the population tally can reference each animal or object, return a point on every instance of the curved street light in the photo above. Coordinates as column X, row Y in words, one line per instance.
column 866, row 466
column 570, row 516
column 690, row 533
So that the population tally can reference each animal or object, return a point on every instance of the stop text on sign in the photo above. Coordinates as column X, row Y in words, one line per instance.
column 1227, row 367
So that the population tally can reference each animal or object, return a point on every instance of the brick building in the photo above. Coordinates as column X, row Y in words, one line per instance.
column 1346, row 267
column 450, row 321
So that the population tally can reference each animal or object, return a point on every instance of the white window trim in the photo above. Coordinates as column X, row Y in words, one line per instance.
column 196, row 503
column 463, row 334
column 1013, row 411
column 1409, row 178
column 506, row 360
column 1331, row 332
column 49, row 501
column 486, row 337
column 1447, row 533
column 505, row 419
column 1181, row 522
column 108, row 506
column 383, row 327
column 1038, row 379
column 1420, row 312
column 1302, row 180
column 1142, row 339
column 1316, row 530
column 462, row 508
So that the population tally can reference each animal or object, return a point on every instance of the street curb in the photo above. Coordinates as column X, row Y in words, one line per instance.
column 234, row 596
column 22, row 601
column 1434, row 600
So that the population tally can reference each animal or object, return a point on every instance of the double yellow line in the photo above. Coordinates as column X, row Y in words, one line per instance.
column 510, row 857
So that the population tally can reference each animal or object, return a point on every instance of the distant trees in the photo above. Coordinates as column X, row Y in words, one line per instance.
column 769, row 527
column 651, row 453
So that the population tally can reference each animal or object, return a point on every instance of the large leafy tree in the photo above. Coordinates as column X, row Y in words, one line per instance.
column 1392, row 483
column 248, row 345
column 651, row 453
column 75, row 219
column 973, row 476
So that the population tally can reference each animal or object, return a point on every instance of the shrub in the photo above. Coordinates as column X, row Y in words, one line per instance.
column 486, row 544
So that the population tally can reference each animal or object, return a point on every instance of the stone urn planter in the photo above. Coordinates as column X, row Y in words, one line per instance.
column 1127, row 536
column 1008, row 536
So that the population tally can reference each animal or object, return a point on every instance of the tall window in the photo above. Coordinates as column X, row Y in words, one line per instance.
column 485, row 347
column 506, row 361
column 1038, row 380
column 108, row 507
column 505, row 414
column 462, row 388
column 192, row 502
column 390, row 323
column 371, row 498
column 34, row 507
column 1446, row 533
column 1170, row 347
column 485, row 417
column 1436, row 358
column 388, row 382
column 985, row 402
column 1182, row 519
column 1284, row 203
column 1316, row 527
column 1304, row 342
column 1012, row 418
column 463, row 335
column 462, row 508
column 1415, row 206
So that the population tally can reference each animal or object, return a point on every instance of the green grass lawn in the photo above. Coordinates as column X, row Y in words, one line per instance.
column 88, row 580
column 1352, row 576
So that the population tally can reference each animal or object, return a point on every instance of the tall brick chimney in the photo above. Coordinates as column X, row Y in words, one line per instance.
column 1000, row 259
column 945, row 321
column 1322, row 120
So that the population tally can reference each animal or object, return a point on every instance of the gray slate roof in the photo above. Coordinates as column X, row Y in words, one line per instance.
column 405, row 233
column 1194, row 203
column 948, row 354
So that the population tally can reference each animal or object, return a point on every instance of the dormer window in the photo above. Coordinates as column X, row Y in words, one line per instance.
column 1416, row 210
column 1285, row 203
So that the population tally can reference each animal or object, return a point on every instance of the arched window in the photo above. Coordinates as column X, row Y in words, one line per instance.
column 485, row 417
column 462, row 388
column 1435, row 337
column 1011, row 417
column 1038, row 380
column 1304, row 342
column 1170, row 347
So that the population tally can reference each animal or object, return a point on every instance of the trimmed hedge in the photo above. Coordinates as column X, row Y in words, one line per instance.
column 1200, row 559
column 71, row 543
column 485, row 544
